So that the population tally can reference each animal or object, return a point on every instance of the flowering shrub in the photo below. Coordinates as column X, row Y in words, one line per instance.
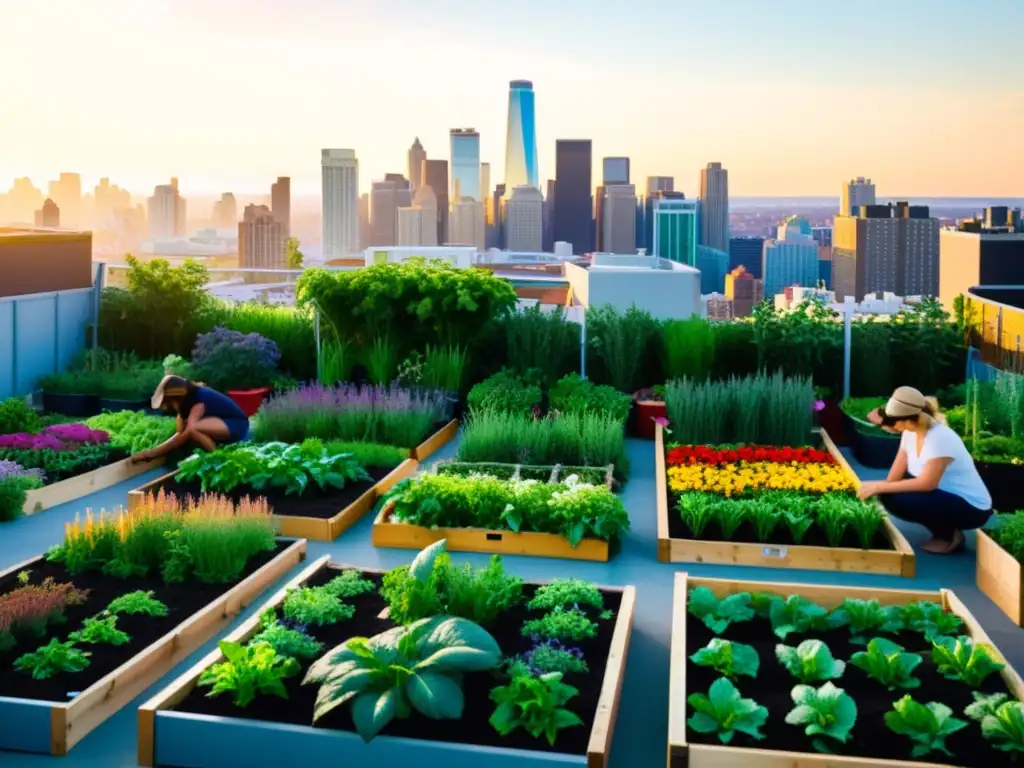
column 227, row 359
column 753, row 477
column 706, row 454
column 11, row 469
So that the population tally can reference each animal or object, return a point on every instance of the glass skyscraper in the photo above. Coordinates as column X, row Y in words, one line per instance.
column 521, row 138
column 465, row 166
column 675, row 229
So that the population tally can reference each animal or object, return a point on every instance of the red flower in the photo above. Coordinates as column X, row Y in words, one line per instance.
column 706, row 454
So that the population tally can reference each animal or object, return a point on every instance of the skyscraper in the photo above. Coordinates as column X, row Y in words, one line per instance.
column 435, row 176
column 485, row 193
column 744, row 291
column 261, row 239
column 281, row 203
column 657, row 184
column 714, row 207
column 573, row 211
column 225, row 212
column 166, row 212
column 521, row 137
column 417, row 224
column 415, row 171
column 619, row 219
column 675, row 228
column 467, row 224
column 48, row 215
column 746, row 252
column 66, row 192
column 386, row 197
column 340, row 178
column 465, row 180
column 854, row 194
column 549, row 217
column 791, row 259
column 614, row 170
column 524, row 219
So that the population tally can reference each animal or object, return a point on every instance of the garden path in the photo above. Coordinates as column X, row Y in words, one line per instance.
column 641, row 730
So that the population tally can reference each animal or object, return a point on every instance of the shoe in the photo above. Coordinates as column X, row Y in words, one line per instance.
column 940, row 547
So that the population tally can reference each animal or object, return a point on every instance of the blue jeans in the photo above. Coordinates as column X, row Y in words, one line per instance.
column 940, row 512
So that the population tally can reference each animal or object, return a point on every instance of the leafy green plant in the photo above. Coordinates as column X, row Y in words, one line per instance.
column 549, row 656
column 888, row 663
column 52, row 659
column 697, row 510
column 134, row 431
column 561, row 624
column 247, row 672
column 100, row 629
column 865, row 617
column 795, row 614
column 1004, row 727
column 824, row 712
column 573, row 394
column 717, row 614
column 504, row 392
column 444, row 368
column 416, row 667
column 723, row 711
column 728, row 658
column 350, row 583
column 930, row 619
column 832, row 516
column 316, row 606
column 926, row 725
column 688, row 349
column 765, row 517
column 368, row 454
column 621, row 342
column 960, row 658
column 136, row 603
column 535, row 704
column 810, row 662
column 984, row 704
column 287, row 641
column 542, row 340
column 16, row 415
column 566, row 593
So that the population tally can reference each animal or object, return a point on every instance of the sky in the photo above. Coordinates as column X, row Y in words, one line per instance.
column 792, row 96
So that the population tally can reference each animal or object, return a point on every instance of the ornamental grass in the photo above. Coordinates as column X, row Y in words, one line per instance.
column 753, row 477
column 28, row 609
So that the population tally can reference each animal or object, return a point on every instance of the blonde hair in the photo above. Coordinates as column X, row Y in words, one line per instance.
column 908, row 404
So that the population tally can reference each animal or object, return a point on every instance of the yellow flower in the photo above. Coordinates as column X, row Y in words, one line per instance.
column 732, row 479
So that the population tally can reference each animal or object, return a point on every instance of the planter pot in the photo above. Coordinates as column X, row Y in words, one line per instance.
column 642, row 418
column 249, row 400
column 830, row 418
column 873, row 451
column 111, row 404
column 1005, row 482
column 80, row 406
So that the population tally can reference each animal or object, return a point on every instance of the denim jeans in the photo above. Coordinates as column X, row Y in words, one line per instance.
column 940, row 512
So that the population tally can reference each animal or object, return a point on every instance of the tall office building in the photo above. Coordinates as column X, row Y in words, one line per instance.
column 48, row 215
column 465, row 181
column 281, row 202
column 417, row 223
column 549, row 217
column 467, row 224
column 854, row 194
column 619, row 219
column 886, row 248
column 675, row 228
column 166, row 212
column 524, row 219
column 66, row 192
column 714, row 207
column 822, row 235
column 485, row 193
column 435, row 176
column 521, row 137
column 791, row 259
column 225, row 212
column 261, row 239
column 417, row 155
column 989, row 257
column 614, row 170
column 340, row 181
column 573, row 211
column 744, row 291
column 657, row 184
column 364, row 220
column 746, row 252
column 714, row 266
column 496, row 235
column 386, row 197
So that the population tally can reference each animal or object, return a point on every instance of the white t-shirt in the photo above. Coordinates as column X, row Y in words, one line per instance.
column 961, row 477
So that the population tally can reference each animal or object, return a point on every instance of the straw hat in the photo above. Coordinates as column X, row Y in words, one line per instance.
column 170, row 386
column 905, row 403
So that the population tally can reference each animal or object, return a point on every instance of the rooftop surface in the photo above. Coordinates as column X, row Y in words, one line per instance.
column 641, row 731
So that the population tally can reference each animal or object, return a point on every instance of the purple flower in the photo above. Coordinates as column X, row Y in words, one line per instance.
column 77, row 433
column 819, row 405
column 660, row 420
column 9, row 469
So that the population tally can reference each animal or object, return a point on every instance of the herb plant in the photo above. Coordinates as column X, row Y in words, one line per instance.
column 888, row 663
column 315, row 606
column 249, row 671
column 566, row 593
column 52, row 659
column 561, row 624
column 1005, row 727
column 717, row 614
column 350, row 583
column 286, row 640
column 137, row 602
column 962, row 659
column 415, row 667
column 100, row 629
column 824, row 712
column 926, row 725
column 550, row 656
column 535, row 704
column 723, row 711
column 728, row 658
column 810, row 662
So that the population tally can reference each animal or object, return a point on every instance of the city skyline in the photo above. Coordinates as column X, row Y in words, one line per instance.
column 933, row 108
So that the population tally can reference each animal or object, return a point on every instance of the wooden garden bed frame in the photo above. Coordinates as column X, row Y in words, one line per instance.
column 435, row 442
column 682, row 754
column 50, row 727
column 998, row 575
column 898, row 561
column 82, row 485
column 167, row 737
column 315, row 528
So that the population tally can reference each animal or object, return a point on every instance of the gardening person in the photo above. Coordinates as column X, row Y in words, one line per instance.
column 205, row 417
column 943, row 491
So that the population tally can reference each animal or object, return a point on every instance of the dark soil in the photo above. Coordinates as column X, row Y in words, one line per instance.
column 474, row 727
column 312, row 503
column 870, row 737
column 182, row 600
column 815, row 537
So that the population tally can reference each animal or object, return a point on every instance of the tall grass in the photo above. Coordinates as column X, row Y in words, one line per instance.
column 542, row 340
column 334, row 364
column 290, row 328
column 1009, row 403
column 444, row 368
column 624, row 344
column 765, row 409
column 382, row 360
column 688, row 348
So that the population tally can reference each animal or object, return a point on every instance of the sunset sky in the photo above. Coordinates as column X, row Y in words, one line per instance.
column 790, row 95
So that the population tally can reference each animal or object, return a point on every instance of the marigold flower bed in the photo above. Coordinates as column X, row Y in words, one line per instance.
column 753, row 477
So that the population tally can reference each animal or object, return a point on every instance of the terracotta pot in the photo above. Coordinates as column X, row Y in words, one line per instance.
column 249, row 400
column 643, row 416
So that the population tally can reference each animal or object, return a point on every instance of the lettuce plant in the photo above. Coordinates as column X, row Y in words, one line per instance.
column 389, row 675
column 717, row 614
column 534, row 703
column 825, row 711
column 833, row 518
column 728, row 658
column 962, row 659
column 930, row 619
column 926, row 725
column 765, row 517
column 810, row 662
column 1005, row 727
column 888, row 663
column 795, row 614
column 52, row 659
column 248, row 671
column 724, row 712
column 697, row 510
column 866, row 617
column 984, row 704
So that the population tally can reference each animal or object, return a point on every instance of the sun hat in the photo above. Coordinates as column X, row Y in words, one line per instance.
column 905, row 403
column 170, row 386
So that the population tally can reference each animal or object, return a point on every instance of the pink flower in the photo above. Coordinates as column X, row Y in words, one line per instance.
column 819, row 405
column 662, row 422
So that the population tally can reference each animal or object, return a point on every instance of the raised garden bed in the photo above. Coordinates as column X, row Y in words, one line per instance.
column 676, row 544
column 75, row 487
column 546, row 474
column 181, row 726
column 37, row 715
column 870, row 742
column 999, row 577
column 435, row 442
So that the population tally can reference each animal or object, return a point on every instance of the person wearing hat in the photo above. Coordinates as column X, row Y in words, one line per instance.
column 933, row 481
column 205, row 417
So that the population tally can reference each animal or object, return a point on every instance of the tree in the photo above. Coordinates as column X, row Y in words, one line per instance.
column 293, row 256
